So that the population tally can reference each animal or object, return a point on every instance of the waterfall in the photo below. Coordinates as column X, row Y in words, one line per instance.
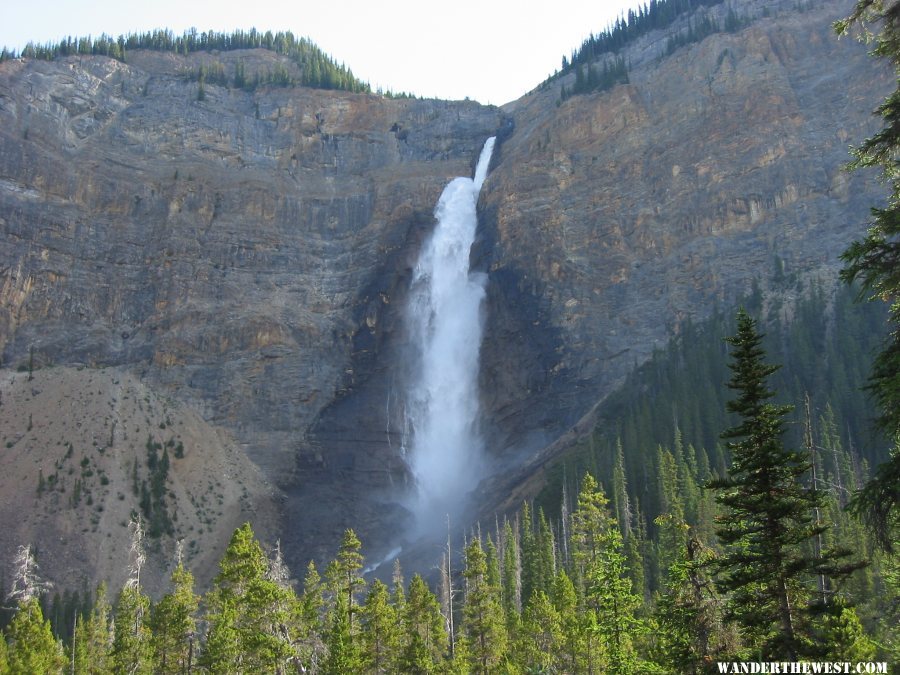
column 445, row 323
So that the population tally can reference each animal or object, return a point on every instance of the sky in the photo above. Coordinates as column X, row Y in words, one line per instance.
column 492, row 51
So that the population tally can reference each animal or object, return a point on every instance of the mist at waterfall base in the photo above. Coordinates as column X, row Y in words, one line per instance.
column 445, row 450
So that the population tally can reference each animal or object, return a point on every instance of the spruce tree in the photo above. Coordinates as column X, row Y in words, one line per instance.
column 424, row 639
column 875, row 262
column 173, row 625
column 380, row 631
column 483, row 623
column 250, row 611
column 767, row 522
column 690, row 614
column 94, row 639
column 132, row 653
column 511, row 573
column 311, row 639
column 540, row 636
column 573, row 645
column 345, row 581
column 32, row 647
column 610, row 602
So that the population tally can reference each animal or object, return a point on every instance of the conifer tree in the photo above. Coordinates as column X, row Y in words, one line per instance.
column 249, row 610
column 425, row 638
column 565, row 602
column 345, row 581
column 511, row 587
column 610, row 603
column 93, row 640
column 690, row 614
column 132, row 653
column 348, row 565
column 4, row 656
column 380, row 631
column 343, row 651
column 529, row 553
column 311, row 637
column 767, row 517
column 483, row 623
column 222, row 653
column 173, row 624
column 875, row 262
column 131, row 649
column 32, row 648
column 540, row 636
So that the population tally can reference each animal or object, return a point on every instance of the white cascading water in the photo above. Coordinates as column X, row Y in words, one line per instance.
column 445, row 321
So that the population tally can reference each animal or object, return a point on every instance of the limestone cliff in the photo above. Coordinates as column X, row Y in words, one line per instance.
column 613, row 217
column 247, row 254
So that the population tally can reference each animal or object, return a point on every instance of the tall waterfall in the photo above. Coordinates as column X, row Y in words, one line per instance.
column 445, row 323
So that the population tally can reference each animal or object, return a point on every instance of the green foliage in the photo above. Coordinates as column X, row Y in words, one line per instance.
column 380, row 630
column 690, row 614
column 425, row 638
column 592, row 80
column 680, row 392
column 153, row 496
column 656, row 15
column 173, row 623
column 483, row 623
column 874, row 260
column 250, row 611
column 316, row 68
column 768, row 515
column 610, row 605
column 697, row 31
column 32, row 647
column 93, row 641
column 132, row 652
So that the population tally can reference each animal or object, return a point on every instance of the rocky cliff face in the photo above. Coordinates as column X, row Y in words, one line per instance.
column 613, row 217
column 248, row 254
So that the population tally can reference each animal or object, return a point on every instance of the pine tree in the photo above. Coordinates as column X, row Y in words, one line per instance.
column 132, row 653
column 690, row 614
column 343, row 651
column 610, row 602
column 574, row 643
column 222, row 653
column 529, row 554
column 345, row 581
column 875, row 262
column 540, row 636
column 173, row 624
column 483, row 623
column 511, row 586
column 32, row 648
column 250, row 611
column 311, row 638
column 767, row 517
column 94, row 638
column 348, row 580
column 380, row 631
column 425, row 637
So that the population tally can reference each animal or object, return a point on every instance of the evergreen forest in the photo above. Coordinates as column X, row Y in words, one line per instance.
column 318, row 70
column 633, row 559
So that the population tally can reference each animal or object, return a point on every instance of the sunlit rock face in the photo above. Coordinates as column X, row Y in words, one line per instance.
column 611, row 218
column 239, row 253
column 251, row 254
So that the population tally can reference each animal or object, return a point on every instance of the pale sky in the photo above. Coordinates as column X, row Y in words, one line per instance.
column 492, row 51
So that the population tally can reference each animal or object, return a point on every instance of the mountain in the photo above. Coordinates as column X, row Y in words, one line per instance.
column 242, row 255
